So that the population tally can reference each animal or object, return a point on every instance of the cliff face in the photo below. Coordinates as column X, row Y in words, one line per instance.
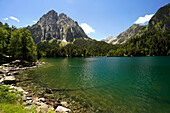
column 51, row 26
column 161, row 20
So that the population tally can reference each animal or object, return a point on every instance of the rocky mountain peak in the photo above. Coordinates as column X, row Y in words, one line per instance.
column 51, row 12
column 48, row 19
column 62, row 15
column 51, row 26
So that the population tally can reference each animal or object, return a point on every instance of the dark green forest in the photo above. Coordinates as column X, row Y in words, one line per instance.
column 150, row 43
column 80, row 47
column 16, row 44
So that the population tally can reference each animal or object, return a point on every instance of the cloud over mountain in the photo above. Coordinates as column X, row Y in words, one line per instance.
column 142, row 20
column 87, row 29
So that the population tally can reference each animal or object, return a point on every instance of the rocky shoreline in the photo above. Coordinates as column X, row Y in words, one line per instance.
column 41, row 98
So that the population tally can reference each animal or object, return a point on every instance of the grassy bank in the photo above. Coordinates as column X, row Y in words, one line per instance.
column 11, row 102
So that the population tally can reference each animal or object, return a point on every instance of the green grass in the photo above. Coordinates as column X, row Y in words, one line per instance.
column 9, row 102
column 13, row 108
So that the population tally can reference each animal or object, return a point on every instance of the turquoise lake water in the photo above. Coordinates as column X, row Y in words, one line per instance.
column 112, row 84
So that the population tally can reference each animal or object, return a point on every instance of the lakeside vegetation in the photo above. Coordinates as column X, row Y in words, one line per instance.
column 16, row 44
column 9, row 101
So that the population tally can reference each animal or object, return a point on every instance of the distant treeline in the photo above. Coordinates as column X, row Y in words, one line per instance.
column 18, row 44
column 80, row 47
column 150, row 43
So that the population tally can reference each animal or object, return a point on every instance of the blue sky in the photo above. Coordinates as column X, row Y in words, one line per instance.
column 99, row 18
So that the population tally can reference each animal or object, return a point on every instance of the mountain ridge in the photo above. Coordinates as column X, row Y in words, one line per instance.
column 125, row 35
column 161, row 20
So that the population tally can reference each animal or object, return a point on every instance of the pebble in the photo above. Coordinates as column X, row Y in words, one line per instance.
column 42, row 99
column 29, row 102
column 24, row 98
column 29, row 98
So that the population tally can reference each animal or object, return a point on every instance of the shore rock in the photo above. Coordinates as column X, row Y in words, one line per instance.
column 29, row 98
column 24, row 98
column 2, row 71
column 42, row 99
column 62, row 109
column 29, row 107
column 64, row 104
column 42, row 108
column 2, row 75
column 1, row 80
column 9, row 80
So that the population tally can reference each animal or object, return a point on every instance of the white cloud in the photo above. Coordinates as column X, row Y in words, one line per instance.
column 142, row 20
column 14, row 18
column 27, row 25
column 5, row 18
column 87, row 29
column 34, row 21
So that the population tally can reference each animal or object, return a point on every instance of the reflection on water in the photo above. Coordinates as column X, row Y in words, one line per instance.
column 116, row 84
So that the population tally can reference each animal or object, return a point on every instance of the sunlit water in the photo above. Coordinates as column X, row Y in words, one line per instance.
column 111, row 84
